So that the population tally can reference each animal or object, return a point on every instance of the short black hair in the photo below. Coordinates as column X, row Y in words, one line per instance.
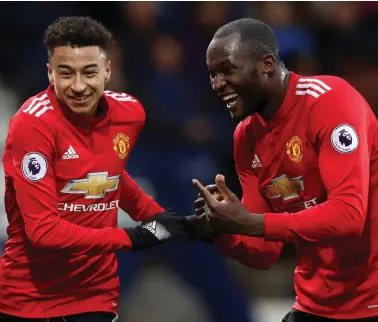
column 256, row 34
column 76, row 32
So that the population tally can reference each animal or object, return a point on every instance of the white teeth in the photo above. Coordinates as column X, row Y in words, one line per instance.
column 80, row 98
column 228, row 97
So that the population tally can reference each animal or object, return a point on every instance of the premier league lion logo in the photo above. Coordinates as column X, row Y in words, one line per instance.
column 345, row 138
column 34, row 166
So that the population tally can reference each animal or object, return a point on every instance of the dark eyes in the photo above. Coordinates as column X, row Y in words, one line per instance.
column 91, row 73
column 229, row 70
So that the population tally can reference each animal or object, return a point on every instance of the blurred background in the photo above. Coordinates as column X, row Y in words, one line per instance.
column 160, row 59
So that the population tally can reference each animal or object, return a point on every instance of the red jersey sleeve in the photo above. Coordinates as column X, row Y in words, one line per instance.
column 32, row 147
column 251, row 251
column 135, row 201
column 340, row 127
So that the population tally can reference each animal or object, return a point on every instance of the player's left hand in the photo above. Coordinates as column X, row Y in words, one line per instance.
column 230, row 210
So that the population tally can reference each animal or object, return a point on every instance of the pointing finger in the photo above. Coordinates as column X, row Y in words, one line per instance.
column 205, row 193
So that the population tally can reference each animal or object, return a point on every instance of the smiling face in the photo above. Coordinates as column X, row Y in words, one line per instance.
column 237, row 77
column 78, row 75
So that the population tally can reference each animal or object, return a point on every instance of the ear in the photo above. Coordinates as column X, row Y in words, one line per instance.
column 50, row 73
column 267, row 65
column 108, row 71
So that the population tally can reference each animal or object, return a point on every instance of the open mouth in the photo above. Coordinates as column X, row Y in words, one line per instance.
column 230, row 99
column 79, row 98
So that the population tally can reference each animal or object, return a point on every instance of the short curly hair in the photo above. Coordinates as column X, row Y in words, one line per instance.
column 76, row 32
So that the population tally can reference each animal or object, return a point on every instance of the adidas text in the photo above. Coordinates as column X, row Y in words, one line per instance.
column 256, row 162
column 70, row 154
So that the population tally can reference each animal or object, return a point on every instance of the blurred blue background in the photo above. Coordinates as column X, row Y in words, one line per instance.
column 160, row 59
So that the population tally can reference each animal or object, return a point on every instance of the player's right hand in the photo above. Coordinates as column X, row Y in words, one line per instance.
column 159, row 228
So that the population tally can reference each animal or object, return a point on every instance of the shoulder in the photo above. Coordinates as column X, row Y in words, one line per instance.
column 240, row 130
column 245, row 129
column 239, row 134
column 334, row 106
column 36, row 112
column 243, row 137
column 321, row 87
column 244, row 143
column 331, row 94
column 125, row 107
column 31, row 130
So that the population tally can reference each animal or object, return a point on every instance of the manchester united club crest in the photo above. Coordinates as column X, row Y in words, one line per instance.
column 121, row 145
column 294, row 149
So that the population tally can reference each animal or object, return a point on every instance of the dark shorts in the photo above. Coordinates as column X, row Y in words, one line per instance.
column 83, row 317
column 298, row 316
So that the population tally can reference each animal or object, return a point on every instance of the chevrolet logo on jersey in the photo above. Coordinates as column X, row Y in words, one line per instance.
column 285, row 188
column 96, row 185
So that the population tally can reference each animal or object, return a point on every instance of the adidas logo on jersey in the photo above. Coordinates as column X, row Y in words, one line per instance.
column 256, row 162
column 70, row 154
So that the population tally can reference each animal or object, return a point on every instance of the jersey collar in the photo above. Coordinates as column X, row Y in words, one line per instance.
column 77, row 119
column 287, row 104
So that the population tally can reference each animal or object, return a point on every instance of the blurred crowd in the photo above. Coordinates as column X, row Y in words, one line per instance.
column 160, row 59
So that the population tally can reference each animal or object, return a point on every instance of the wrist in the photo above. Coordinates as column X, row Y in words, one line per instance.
column 254, row 225
column 141, row 238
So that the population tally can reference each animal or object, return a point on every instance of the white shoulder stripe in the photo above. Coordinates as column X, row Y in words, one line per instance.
column 313, row 86
column 314, row 80
column 309, row 92
column 307, row 86
column 38, row 106
column 123, row 97
column 43, row 110
column 35, row 100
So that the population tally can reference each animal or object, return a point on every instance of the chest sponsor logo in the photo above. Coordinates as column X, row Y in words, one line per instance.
column 294, row 149
column 121, row 145
column 102, row 206
column 95, row 186
column 285, row 188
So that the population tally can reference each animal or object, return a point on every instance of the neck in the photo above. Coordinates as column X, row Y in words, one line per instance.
column 277, row 94
column 95, row 110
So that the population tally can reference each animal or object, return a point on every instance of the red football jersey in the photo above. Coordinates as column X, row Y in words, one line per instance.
column 65, row 180
column 313, row 171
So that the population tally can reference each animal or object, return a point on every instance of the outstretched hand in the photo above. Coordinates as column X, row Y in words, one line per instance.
column 225, row 212
column 200, row 205
column 227, row 204
column 205, row 224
